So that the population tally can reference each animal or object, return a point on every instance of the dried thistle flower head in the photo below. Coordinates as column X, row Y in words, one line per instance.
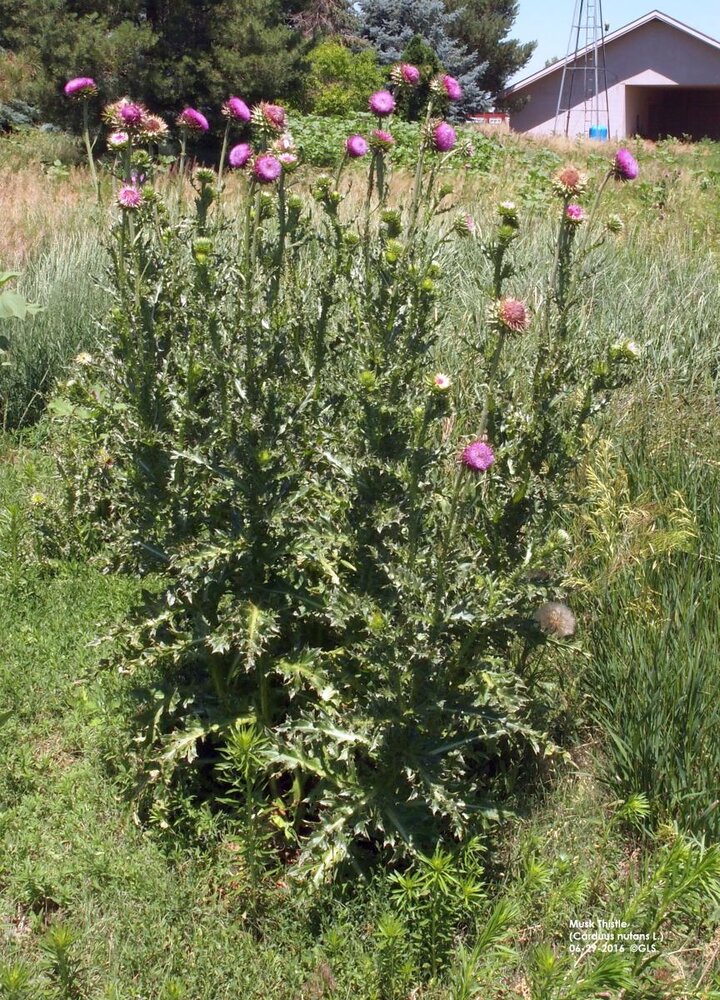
column 569, row 181
column 556, row 619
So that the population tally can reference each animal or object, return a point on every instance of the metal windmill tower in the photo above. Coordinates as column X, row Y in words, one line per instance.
column 584, row 77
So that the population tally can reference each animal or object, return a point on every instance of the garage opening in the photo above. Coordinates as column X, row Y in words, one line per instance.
column 654, row 112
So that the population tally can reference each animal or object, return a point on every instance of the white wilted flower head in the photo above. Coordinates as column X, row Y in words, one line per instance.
column 556, row 619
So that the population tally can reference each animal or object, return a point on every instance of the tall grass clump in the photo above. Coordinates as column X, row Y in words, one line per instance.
column 358, row 544
column 65, row 281
column 651, row 537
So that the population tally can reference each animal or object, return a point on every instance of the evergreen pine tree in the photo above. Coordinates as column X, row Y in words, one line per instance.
column 389, row 25
column 482, row 26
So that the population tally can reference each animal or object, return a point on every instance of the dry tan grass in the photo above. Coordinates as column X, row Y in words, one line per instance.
column 35, row 209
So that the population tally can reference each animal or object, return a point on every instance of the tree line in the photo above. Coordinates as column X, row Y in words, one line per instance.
column 320, row 56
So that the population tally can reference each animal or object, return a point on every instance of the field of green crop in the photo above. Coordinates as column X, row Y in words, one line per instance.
column 110, row 889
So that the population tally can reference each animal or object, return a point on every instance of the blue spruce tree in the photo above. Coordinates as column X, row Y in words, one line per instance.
column 390, row 24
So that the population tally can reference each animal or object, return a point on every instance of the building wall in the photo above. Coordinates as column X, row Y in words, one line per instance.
column 653, row 55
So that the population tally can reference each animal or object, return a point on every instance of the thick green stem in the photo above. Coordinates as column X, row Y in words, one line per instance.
column 447, row 541
column 223, row 154
column 89, row 150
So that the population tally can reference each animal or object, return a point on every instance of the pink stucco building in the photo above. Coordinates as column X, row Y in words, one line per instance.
column 663, row 78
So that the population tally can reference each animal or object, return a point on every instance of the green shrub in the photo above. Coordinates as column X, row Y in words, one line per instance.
column 339, row 79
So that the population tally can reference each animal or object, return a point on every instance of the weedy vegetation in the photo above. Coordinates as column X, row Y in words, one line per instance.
column 359, row 568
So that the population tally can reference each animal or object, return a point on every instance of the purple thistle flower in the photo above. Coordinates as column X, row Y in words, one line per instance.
column 625, row 166
column 405, row 75
column 131, row 114
column 444, row 137
column 382, row 103
column 410, row 74
column 575, row 214
column 236, row 109
column 288, row 160
column 447, row 86
column 239, row 155
column 116, row 140
column 193, row 120
column 267, row 168
column 129, row 197
column 270, row 116
column 81, row 87
column 356, row 146
column 381, row 140
column 478, row 456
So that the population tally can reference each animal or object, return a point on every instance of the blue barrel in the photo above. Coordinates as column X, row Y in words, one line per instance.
column 599, row 132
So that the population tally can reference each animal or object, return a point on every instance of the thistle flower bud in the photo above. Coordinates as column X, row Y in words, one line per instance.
column 614, row 224
column 626, row 350
column 394, row 251
column 204, row 175
column 202, row 248
column 464, row 225
column 507, row 210
column 392, row 220
column 368, row 381
column 440, row 383
column 118, row 140
column 381, row 141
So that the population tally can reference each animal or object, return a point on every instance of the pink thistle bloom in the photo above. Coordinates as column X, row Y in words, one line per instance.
column 288, row 160
column 81, row 87
column 267, row 168
column 236, row 109
column 447, row 86
column 405, row 75
column 625, row 166
column 272, row 115
column 239, row 155
column 129, row 197
column 116, row 140
column 575, row 214
column 382, row 103
column 193, row 120
column 131, row 114
column 464, row 225
column 513, row 315
column 410, row 74
column 441, row 382
column 381, row 140
column 478, row 456
column 444, row 137
column 285, row 144
column 356, row 146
